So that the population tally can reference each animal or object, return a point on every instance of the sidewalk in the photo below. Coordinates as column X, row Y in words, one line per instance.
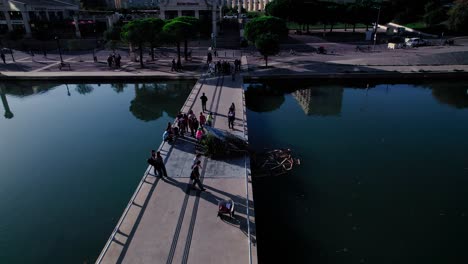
column 170, row 223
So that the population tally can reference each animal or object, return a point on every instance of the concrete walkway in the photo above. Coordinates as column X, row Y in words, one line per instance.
column 168, row 222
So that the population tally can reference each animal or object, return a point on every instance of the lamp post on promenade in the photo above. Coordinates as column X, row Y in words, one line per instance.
column 214, row 29
column 59, row 49
column 376, row 26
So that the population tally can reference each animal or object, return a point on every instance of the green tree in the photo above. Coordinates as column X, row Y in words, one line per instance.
column 265, row 25
column 268, row 45
column 279, row 8
column 136, row 32
column 369, row 12
column 434, row 13
column 352, row 15
column 112, row 36
column 177, row 31
column 333, row 14
column 155, row 38
column 458, row 17
column 192, row 32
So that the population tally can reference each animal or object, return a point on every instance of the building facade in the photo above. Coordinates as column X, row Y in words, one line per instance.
column 136, row 3
column 173, row 8
column 16, row 15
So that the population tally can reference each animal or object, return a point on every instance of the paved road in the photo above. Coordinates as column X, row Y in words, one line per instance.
column 298, row 55
column 170, row 223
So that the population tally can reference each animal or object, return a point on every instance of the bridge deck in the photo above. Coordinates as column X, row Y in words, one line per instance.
column 167, row 222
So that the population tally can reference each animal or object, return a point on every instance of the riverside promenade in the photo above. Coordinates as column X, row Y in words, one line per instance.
column 168, row 222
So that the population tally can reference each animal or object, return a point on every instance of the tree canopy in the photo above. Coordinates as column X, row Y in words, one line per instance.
column 136, row 32
column 434, row 13
column 177, row 31
column 458, row 17
column 264, row 25
column 268, row 45
column 141, row 31
column 191, row 32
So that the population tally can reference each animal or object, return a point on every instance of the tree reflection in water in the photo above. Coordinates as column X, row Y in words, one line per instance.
column 454, row 94
column 83, row 88
column 152, row 99
column 263, row 97
column 314, row 100
column 118, row 87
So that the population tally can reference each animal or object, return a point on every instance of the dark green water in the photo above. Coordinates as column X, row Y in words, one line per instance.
column 384, row 174
column 69, row 164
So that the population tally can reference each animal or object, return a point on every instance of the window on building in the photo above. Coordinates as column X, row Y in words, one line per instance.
column 71, row 13
column 32, row 15
column 171, row 14
column 42, row 15
column 15, row 15
column 2, row 15
column 19, row 28
column 190, row 13
column 52, row 16
column 60, row 15
column 3, row 29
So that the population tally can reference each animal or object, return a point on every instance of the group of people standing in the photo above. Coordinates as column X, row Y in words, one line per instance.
column 176, row 66
column 113, row 60
column 187, row 123
column 159, row 167
column 157, row 162
column 224, row 67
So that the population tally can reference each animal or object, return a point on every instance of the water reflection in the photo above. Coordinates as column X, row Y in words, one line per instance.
column 83, row 88
column 23, row 89
column 326, row 99
column 263, row 97
column 323, row 101
column 118, row 87
column 8, row 114
column 451, row 93
column 152, row 99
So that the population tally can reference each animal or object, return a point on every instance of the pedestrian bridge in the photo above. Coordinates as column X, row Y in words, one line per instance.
column 168, row 222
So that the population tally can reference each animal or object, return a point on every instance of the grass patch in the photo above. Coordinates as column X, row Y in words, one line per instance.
column 295, row 26
column 416, row 25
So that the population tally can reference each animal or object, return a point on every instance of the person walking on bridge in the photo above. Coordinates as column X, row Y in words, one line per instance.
column 159, row 165
column 195, row 175
column 204, row 99
column 152, row 161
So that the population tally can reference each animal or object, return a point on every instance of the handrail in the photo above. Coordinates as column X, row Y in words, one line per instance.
column 246, row 175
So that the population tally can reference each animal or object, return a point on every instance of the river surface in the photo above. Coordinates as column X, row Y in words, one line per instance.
column 383, row 175
column 383, row 179
column 71, row 157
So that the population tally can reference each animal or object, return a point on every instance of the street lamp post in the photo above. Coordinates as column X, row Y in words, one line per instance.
column 376, row 27
column 214, row 29
column 59, row 49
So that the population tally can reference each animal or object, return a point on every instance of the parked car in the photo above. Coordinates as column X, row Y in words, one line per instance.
column 415, row 42
column 230, row 17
